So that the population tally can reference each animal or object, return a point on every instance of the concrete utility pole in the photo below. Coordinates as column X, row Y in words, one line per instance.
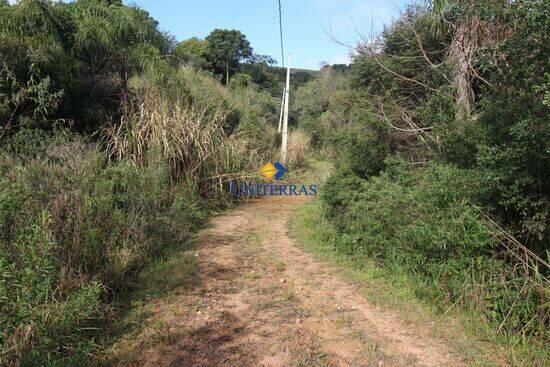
column 281, row 114
column 227, row 73
column 285, row 115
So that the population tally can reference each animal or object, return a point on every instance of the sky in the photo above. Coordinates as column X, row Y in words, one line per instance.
column 305, row 24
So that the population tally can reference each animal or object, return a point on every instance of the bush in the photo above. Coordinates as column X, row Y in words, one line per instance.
column 423, row 222
column 71, row 60
column 205, row 135
column 72, row 225
column 460, row 142
column 361, row 150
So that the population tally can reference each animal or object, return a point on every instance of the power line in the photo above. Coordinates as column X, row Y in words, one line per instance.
column 281, row 33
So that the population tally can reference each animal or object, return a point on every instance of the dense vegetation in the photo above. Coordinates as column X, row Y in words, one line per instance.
column 440, row 130
column 116, row 141
column 112, row 150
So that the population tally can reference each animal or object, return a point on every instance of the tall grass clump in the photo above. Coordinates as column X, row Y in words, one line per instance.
column 298, row 147
column 424, row 222
column 193, row 133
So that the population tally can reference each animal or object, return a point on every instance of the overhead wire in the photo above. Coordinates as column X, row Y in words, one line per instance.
column 281, row 33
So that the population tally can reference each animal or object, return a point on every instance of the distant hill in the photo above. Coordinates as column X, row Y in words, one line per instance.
column 295, row 70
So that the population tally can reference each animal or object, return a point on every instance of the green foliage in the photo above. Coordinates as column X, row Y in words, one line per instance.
column 362, row 151
column 231, row 56
column 320, row 105
column 71, row 226
column 240, row 81
column 226, row 48
column 342, row 68
column 339, row 121
column 37, row 326
column 28, row 103
column 398, row 97
column 72, row 60
column 516, row 157
column 263, row 74
column 421, row 221
column 193, row 51
column 258, row 115
column 460, row 142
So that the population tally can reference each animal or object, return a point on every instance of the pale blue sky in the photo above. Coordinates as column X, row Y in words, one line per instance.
column 304, row 22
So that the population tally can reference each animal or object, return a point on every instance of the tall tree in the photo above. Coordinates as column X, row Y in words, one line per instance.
column 474, row 24
column 225, row 49
column 80, row 54
column 461, row 52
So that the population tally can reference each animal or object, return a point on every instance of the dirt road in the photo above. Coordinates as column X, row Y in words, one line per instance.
column 260, row 300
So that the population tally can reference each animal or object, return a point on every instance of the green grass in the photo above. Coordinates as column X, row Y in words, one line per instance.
column 317, row 235
column 315, row 171
column 163, row 278
column 176, row 271
column 395, row 289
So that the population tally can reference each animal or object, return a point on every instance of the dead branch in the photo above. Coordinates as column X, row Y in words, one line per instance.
column 413, row 130
column 432, row 65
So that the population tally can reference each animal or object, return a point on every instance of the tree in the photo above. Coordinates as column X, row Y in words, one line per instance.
column 474, row 25
column 260, row 69
column 515, row 114
column 226, row 48
column 461, row 53
column 193, row 51
column 342, row 68
column 81, row 54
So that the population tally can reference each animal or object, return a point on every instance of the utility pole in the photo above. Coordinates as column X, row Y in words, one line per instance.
column 285, row 115
column 226, row 72
column 281, row 114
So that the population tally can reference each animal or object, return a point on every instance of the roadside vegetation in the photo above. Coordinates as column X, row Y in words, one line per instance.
column 117, row 141
column 439, row 134
column 113, row 149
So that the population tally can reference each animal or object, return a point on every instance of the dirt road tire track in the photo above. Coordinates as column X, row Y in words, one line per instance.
column 261, row 300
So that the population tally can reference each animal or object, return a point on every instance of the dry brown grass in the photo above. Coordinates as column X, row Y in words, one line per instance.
column 192, row 138
column 298, row 146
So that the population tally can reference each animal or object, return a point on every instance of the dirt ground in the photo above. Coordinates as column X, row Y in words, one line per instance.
column 260, row 300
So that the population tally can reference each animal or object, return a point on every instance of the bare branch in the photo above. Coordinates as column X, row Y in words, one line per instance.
column 413, row 130
column 419, row 42
column 477, row 75
column 330, row 34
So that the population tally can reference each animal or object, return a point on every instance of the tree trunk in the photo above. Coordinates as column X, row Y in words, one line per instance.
column 462, row 53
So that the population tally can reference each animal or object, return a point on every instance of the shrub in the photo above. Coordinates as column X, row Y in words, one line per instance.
column 460, row 142
column 37, row 326
column 205, row 135
column 424, row 222
column 361, row 150
column 72, row 225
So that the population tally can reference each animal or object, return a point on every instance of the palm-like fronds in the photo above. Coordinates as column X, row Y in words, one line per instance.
column 436, row 11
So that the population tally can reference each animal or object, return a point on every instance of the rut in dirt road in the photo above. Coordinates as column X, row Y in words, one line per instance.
column 263, row 301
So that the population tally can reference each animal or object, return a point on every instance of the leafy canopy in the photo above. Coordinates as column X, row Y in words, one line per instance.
column 226, row 48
